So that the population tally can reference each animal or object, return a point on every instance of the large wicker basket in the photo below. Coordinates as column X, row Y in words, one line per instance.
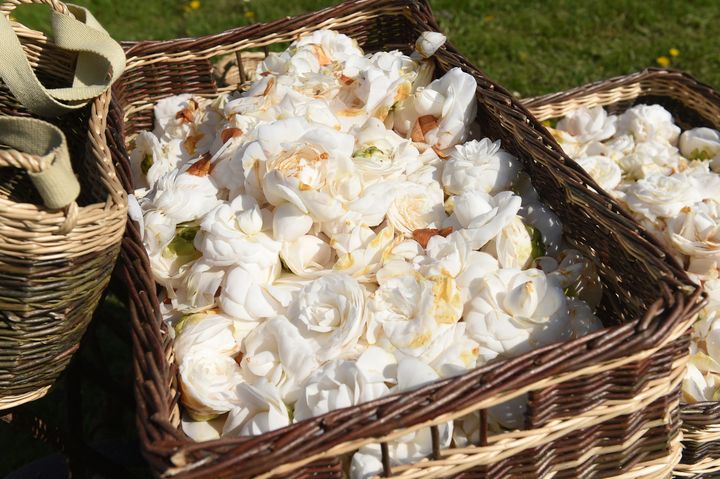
column 692, row 104
column 54, row 264
column 605, row 405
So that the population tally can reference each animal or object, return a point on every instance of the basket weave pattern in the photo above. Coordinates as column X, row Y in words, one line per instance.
column 692, row 104
column 624, row 423
column 54, row 265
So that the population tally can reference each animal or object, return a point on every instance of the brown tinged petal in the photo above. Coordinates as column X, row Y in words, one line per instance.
column 228, row 133
column 422, row 236
column 201, row 167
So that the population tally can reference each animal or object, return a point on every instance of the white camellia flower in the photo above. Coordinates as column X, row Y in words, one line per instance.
column 695, row 232
column 144, row 156
column 308, row 256
column 246, row 293
column 416, row 207
column 207, row 383
column 336, row 385
column 259, row 408
column 174, row 116
column 652, row 157
column 428, row 43
column 648, row 122
column 290, row 223
column 662, row 196
column 183, row 196
column 158, row 230
column 308, row 166
column 231, row 234
column 367, row 461
column 330, row 312
column 209, row 331
column 479, row 166
column 588, row 124
column 603, row 170
column 361, row 252
column 381, row 154
column 699, row 387
column 515, row 310
column 700, row 144
column 513, row 246
column 201, row 283
column 277, row 352
column 479, row 218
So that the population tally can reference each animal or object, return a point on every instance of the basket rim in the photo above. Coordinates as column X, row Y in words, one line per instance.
column 149, row 340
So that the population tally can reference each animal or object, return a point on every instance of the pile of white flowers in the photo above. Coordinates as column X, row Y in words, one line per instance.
column 330, row 236
column 669, row 180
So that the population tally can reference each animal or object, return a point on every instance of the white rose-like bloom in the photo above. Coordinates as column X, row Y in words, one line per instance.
column 232, row 234
column 479, row 218
column 168, row 124
column 308, row 256
column 695, row 232
column 182, row 196
column 513, row 246
column 308, row 166
column 699, row 387
column 588, row 124
column 336, row 385
column 362, row 251
column 648, row 122
column 158, row 230
column 201, row 283
column 246, row 295
column 146, row 154
column 290, row 223
column 381, row 154
column 330, row 311
column 417, row 206
column 211, row 332
column 428, row 43
column 662, row 196
column 277, row 352
column 512, row 307
column 700, row 144
column 652, row 157
column 450, row 99
column 259, row 408
column 411, row 314
column 207, row 383
column 603, row 170
column 479, row 165
column 410, row 448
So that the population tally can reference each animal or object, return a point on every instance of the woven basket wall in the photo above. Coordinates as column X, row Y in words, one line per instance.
column 54, row 265
column 605, row 405
column 692, row 104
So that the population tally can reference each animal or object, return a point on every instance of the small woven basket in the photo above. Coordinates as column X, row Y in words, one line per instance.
column 692, row 104
column 605, row 405
column 54, row 264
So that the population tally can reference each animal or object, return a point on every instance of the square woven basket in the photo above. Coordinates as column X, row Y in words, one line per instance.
column 605, row 405
column 692, row 104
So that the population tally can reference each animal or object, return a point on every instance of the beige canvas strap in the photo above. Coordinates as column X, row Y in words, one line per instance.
column 40, row 148
column 100, row 61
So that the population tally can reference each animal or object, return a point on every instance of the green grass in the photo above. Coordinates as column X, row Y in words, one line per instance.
column 529, row 47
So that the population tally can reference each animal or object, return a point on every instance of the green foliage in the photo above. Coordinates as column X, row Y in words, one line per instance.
column 530, row 47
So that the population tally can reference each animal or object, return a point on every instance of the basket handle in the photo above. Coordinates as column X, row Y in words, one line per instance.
column 100, row 60
column 40, row 148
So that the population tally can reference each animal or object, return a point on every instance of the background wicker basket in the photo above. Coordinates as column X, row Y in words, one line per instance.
column 54, row 265
column 692, row 104
column 605, row 405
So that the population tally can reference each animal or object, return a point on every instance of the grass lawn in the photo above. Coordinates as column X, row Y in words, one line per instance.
column 531, row 47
